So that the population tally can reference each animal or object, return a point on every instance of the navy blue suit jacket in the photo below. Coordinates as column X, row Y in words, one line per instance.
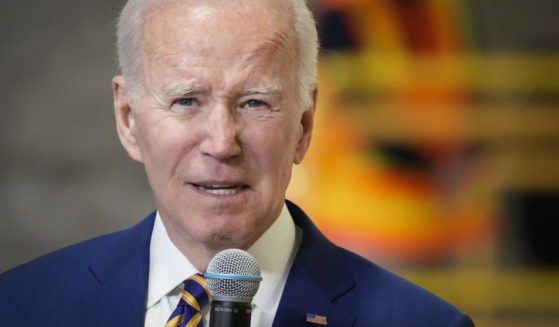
column 103, row 282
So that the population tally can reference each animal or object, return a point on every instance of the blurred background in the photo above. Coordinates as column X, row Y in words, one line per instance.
column 436, row 150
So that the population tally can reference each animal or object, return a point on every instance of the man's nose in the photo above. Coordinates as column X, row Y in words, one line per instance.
column 221, row 140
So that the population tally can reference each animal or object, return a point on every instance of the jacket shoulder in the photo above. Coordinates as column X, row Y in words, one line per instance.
column 58, row 262
column 360, row 288
column 59, row 278
column 385, row 296
column 69, row 258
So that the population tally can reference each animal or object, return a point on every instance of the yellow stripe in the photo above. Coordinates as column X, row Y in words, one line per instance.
column 195, row 320
column 174, row 322
column 188, row 298
column 202, row 282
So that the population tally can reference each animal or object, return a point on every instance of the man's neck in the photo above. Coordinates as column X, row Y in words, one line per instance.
column 200, row 253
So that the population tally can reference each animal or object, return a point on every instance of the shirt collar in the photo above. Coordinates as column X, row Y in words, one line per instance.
column 168, row 267
column 273, row 251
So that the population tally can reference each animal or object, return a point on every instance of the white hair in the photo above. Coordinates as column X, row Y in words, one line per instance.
column 129, row 43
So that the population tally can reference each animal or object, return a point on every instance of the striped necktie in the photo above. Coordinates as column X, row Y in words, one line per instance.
column 194, row 297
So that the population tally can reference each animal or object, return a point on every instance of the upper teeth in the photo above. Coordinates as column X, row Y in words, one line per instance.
column 219, row 189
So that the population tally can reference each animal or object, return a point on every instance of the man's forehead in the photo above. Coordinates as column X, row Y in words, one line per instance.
column 203, row 11
column 204, row 26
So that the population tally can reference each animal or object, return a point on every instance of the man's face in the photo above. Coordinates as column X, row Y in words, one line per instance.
column 217, row 124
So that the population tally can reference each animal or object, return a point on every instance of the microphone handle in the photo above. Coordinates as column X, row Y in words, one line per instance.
column 230, row 314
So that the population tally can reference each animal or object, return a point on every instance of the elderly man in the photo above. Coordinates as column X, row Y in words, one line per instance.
column 216, row 99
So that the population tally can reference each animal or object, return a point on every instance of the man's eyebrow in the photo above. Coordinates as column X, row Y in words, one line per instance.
column 177, row 91
column 264, row 90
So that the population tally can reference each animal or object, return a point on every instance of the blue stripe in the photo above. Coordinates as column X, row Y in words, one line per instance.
column 238, row 277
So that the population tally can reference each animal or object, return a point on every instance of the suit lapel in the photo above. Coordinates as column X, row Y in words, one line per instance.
column 121, row 274
column 317, row 278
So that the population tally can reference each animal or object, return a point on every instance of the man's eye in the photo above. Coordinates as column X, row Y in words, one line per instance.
column 187, row 102
column 255, row 103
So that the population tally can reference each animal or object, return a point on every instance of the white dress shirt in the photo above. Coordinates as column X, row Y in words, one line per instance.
column 168, row 268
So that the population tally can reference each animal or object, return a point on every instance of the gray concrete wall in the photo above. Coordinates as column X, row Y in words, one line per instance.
column 64, row 176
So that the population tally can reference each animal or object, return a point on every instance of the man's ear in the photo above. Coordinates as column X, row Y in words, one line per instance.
column 307, row 124
column 125, row 119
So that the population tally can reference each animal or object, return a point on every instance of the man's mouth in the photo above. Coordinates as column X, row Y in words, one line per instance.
column 220, row 189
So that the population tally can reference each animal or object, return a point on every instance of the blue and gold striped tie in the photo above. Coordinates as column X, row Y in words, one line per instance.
column 194, row 297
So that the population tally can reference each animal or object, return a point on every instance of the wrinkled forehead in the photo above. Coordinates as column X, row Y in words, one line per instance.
column 207, row 26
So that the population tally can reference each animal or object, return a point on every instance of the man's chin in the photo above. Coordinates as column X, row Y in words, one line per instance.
column 219, row 242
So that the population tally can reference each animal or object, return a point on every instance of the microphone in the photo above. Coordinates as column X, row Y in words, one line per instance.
column 233, row 277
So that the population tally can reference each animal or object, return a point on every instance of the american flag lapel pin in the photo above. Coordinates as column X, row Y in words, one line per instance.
column 317, row 319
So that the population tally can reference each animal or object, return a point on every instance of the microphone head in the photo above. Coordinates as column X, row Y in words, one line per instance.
column 233, row 275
